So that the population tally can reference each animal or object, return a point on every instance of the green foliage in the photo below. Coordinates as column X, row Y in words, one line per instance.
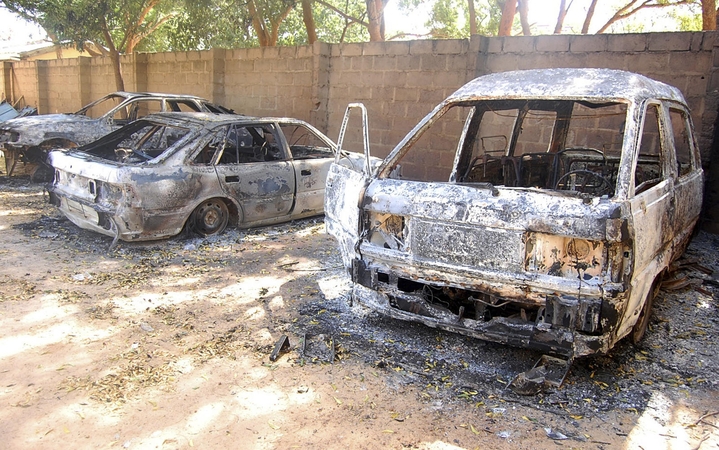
column 333, row 28
column 443, row 23
column 227, row 24
column 449, row 19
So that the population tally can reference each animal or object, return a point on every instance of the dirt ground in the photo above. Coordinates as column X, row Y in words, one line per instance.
column 166, row 345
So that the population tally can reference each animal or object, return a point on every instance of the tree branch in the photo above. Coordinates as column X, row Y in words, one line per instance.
column 342, row 13
column 627, row 10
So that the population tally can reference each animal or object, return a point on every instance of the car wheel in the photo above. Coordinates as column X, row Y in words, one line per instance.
column 640, row 327
column 210, row 217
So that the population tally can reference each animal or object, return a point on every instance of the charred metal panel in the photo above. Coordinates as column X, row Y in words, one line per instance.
column 481, row 247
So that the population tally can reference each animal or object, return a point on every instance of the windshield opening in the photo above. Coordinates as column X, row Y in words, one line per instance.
column 565, row 145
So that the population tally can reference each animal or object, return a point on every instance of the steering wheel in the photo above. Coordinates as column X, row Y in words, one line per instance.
column 584, row 181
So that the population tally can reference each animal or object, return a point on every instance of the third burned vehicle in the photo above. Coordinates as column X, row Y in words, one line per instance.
column 537, row 208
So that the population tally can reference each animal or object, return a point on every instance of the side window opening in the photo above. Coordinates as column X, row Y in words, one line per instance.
column 205, row 156
column 102, row 107
column 682, row 141
column 136, row 110
column 649, row 168
column 431, row 157
column 182, row 106
column 250, row 144
column 304, row 143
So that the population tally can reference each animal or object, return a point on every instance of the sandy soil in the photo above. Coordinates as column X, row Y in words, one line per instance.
column 166, row 345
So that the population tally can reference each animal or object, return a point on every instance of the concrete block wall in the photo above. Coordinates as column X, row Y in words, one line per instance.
column 25, row 83
column 62, row 80
column 398, row 82
column 180, row 73
column 276, row 81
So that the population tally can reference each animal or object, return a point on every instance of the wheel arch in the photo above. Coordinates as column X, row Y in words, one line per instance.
column 233, row 207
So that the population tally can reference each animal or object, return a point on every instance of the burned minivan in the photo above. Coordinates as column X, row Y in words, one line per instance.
column 537, row 208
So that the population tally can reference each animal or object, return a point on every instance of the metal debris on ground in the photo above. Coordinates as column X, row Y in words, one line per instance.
column 282, row 346
column 548, row 371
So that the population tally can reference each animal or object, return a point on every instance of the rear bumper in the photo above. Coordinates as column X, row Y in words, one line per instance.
column 84, row 215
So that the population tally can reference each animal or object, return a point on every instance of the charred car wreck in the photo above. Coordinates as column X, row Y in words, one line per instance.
column 166, row 171
column 27, row 140
column 535, row 208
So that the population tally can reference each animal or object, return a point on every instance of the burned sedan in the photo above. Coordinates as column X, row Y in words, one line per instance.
column 26, row 140
column 166, row 171
column 536, row 208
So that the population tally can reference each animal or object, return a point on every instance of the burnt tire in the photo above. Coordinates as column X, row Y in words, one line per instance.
column 210, row 217
column 640, row 328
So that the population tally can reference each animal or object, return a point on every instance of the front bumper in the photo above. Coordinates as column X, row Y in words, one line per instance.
column 566, row 326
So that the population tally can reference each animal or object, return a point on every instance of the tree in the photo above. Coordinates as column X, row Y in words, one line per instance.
column 563, row 9
column 588, row 18
column 267, row 16
column 113, row 27
column 509, row 10
column 709, row 15
column 309, row 21
column 630, row 9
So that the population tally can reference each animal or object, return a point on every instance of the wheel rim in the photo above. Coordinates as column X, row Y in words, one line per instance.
column 210, row 217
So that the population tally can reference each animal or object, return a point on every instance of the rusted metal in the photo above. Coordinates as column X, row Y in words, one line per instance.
column 158, row 174
column 567, row 193
column 28, row 139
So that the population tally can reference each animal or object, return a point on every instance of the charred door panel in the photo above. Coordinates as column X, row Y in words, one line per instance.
column 265, row 190
column 342, row 198
column 311, row 176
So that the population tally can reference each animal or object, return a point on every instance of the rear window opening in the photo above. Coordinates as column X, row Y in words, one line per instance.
column 549, row 144
column 137, row 143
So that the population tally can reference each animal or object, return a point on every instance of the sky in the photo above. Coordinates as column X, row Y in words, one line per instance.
column 542, row 14
column 543, row 17
column 16, row 31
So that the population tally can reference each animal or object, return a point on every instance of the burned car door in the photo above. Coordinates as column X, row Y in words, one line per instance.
column 310, row 157
column 663, row 212
column 344, row 192
column 253, row 168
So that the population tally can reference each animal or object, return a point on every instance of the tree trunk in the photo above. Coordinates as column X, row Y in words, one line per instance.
column 588, row 19
column 472, row 18
column 258, row 25
column 114, row 56
column 563, row 9
column 523, row 8
column 309, row 21
column 375, row 14
column 709, row 15
column 509, row 9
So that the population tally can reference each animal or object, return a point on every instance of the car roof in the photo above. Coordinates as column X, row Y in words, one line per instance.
column 580, row 84
column 126, row 94
column 202, row 119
